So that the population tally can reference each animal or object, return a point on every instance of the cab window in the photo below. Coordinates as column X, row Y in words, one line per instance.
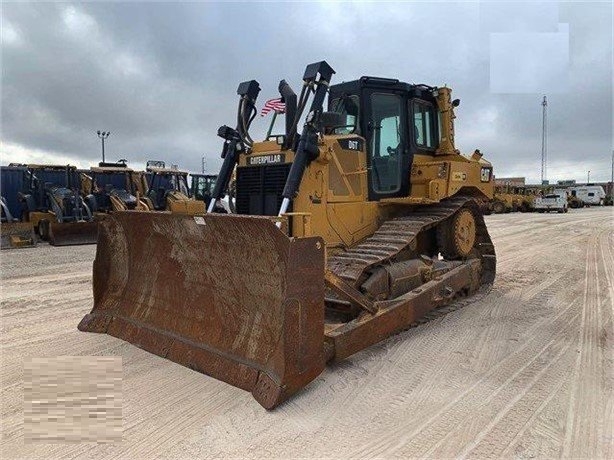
column 203, row 187
column 386, row 145
column 424, row 125
column 348, row 106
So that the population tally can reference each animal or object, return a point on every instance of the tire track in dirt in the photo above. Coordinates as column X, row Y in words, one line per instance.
column 607, row 253
column 514, row 403
column 25, row 263
column 400, row 349
column 485, row 449
column 447, row 438
column 450, row 416
column 584, row 431
column 546, row 429
column 391, row 381
column 515, row 258
column 517, row 410
column 386, row 362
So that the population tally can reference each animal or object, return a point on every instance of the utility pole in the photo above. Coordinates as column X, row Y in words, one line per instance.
column 203, row 165
column 588, row 177
column 103, row 135
column 544, row 139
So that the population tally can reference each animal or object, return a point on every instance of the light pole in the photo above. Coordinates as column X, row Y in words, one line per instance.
column 103, row 135
column 588, row 178
column 544, row 139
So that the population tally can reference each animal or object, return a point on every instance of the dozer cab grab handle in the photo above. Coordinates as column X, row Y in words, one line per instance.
column 307, row 148
column 235, row 140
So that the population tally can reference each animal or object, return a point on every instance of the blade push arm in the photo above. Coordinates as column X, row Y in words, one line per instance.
column 235, row 140
column 307, row 149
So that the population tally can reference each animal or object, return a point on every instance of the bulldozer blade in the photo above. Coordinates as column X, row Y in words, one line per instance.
column 229, row 296
column 73, row 233
column 17, row 235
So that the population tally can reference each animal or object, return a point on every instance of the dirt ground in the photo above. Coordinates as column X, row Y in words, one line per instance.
column 525, row 371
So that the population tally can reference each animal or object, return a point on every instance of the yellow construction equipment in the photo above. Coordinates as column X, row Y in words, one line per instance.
column 167, row 190
column 112, row 187
column 54, row 207
column 15, row 230
column 508, row 198
column 344, row 235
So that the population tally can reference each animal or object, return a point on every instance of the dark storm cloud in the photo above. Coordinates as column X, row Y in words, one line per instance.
column 162, row 77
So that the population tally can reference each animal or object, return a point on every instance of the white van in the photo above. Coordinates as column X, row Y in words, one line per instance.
column 589, row 194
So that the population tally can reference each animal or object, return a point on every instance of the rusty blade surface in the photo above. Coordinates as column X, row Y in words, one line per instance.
column 73, row 233
column 228, row 296
column 16, row 235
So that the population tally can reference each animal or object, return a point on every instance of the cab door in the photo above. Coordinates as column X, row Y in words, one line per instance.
column 388, row 158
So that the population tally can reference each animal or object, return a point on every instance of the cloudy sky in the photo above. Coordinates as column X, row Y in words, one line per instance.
column 162, row 77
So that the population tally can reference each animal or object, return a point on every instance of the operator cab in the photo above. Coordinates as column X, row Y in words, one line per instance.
column 162, row 182
column 397, row 121
column 202, row 186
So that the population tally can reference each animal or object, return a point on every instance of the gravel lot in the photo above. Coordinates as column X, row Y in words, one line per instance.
column 524, row 371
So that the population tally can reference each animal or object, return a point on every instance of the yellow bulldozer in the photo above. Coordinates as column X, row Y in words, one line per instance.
column 344, row 235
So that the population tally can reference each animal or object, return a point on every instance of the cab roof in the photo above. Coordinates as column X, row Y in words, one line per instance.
column 389, row 84
column 53, row 167
column 114, row 169
column 166, row 171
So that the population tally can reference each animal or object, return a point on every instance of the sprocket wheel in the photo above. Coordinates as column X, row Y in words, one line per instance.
column 456, row 237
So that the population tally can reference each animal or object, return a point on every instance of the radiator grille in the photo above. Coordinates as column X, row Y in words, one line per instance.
column 259, row 189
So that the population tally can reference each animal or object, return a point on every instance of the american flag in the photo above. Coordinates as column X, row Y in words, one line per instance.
column 273, row 104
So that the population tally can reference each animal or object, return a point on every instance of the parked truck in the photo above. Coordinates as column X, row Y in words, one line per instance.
column 553, row 201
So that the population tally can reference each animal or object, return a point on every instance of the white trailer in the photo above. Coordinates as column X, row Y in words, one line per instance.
column 589, row 194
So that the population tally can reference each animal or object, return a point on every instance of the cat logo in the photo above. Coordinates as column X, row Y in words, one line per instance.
column 266, row 159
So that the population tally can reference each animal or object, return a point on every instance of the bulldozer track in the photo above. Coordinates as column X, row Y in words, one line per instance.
column 397, row 234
